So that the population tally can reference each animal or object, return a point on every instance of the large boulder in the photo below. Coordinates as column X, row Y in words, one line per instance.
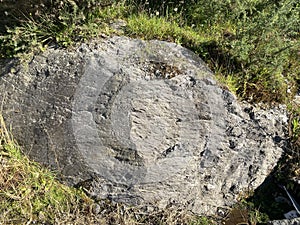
column 141, row 123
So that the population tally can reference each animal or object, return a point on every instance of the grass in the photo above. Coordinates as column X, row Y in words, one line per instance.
column 147, row 27
column 253, row 47
column 30, row 193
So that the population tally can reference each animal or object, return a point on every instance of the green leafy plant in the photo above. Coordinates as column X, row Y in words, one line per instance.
column 254, row 41
column 295, row 128
column 62, row 23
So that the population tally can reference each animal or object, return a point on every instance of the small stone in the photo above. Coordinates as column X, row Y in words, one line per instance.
column 96, row 208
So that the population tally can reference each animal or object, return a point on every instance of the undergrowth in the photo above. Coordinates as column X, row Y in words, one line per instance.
column 61, row 24
column 30, row 193
column 254, row 44
column 251, row 44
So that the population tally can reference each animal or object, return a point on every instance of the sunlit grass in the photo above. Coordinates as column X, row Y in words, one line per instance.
column 29, row 192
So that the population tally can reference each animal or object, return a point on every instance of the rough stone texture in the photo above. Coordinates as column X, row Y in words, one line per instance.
column 142, row 123
column 295, row 221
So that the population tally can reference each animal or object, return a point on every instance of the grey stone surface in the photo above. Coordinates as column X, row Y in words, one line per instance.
column 295, row 221
column 141, row 123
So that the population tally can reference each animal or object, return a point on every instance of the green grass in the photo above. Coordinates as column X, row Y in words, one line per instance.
column 146, row 27
column 252, row 45
column 29, row 192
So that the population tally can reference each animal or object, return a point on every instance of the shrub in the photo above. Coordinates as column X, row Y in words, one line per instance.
column 57, row 22
column 259, row 38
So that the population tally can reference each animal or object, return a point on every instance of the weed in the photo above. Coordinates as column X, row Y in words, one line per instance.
column 295, row 128
column 253, row 44
column 245, row 212
column 153, row 27
column 29, row 192
column 63, row 25
column 254, row 41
